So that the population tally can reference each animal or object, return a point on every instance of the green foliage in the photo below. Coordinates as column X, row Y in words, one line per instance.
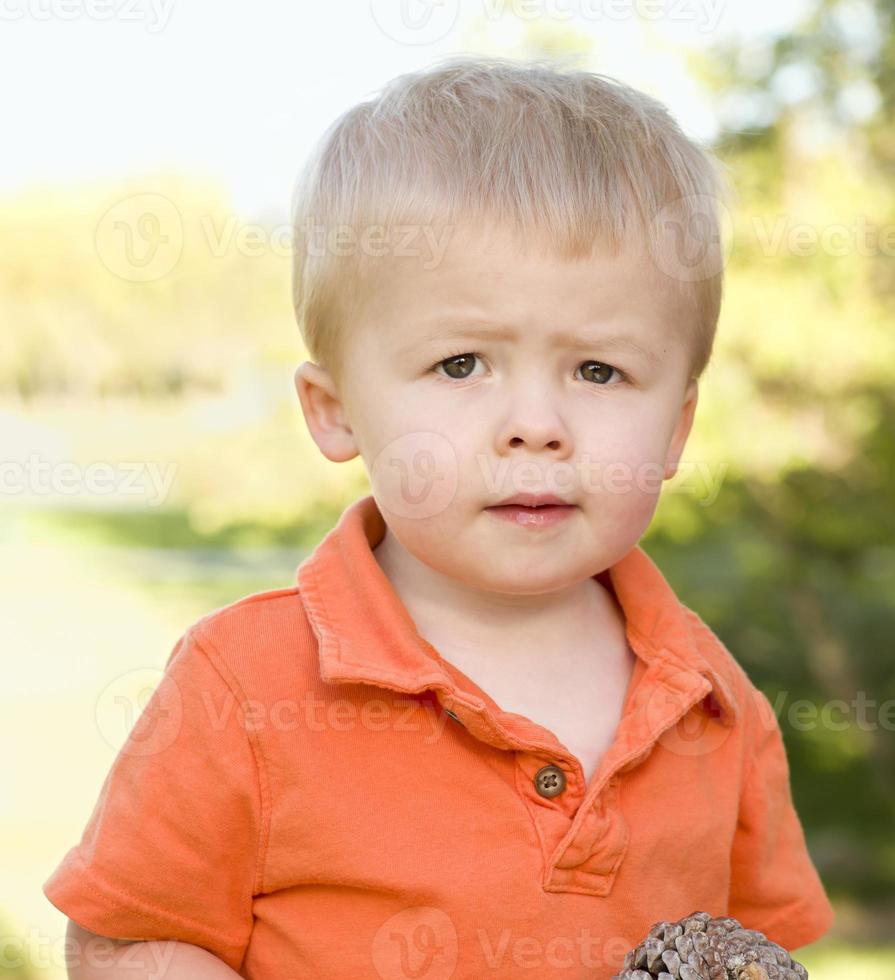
column 793, row 563
column 184, row 299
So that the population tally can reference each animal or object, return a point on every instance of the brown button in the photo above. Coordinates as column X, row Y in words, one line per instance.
column 550, row 781
column 451, row 714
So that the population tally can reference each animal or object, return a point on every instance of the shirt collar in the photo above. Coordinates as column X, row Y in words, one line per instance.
column 366, row 635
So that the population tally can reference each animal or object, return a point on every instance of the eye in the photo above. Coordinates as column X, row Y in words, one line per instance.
column 458, row 366
column 601, row 372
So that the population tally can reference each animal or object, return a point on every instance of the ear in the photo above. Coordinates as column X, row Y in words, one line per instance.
column 324, row 412
column 682, row 429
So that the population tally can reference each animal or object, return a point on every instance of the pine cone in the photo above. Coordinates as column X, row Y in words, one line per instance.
column 699, row 947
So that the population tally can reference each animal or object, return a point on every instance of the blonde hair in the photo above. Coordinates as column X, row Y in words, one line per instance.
column 570, row 156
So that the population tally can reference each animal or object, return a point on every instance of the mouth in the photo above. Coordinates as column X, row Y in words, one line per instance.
column 538, row 515
column 533, row 501
column 537, row 507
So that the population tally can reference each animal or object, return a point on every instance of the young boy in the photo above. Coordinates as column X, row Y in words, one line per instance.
column 481, row 737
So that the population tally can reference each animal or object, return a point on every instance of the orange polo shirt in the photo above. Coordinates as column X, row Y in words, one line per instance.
column 313, row 792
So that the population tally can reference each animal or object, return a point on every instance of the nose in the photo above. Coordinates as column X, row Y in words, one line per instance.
column 535, row 442
column 534, row 424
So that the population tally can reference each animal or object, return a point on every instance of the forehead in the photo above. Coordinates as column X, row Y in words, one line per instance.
column 488, row 271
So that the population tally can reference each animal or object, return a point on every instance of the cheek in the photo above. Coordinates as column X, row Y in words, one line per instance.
column 414, row 469
column 630, row 447
column 413, row 450
column 624, row 464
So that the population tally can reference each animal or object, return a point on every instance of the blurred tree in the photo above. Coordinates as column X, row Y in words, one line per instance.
column 794, row 564
column 150, row 287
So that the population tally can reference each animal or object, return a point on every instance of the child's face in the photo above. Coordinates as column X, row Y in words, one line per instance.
column 442, row 443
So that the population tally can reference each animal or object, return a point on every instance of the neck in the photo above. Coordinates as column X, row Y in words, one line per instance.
column 454, row 616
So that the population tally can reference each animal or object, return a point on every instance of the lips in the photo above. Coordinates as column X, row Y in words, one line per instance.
column 533, row 500
column 538, row 512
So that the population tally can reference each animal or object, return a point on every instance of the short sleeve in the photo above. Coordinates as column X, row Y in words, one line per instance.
column 171, row 850
column 775, row 887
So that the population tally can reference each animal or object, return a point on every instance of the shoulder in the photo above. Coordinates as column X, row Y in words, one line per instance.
column 258, row 642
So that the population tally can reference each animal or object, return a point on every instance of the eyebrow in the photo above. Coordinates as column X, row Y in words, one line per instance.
column 479, row 330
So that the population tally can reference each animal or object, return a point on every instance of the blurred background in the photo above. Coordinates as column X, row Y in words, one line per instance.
column 155, row 463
